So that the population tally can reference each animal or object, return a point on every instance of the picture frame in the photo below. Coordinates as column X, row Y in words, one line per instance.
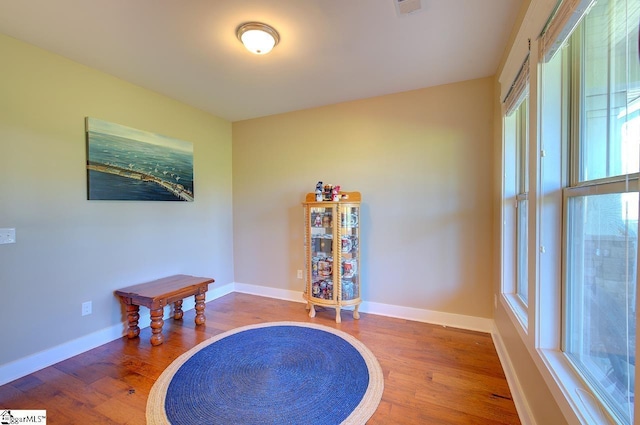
column 127, row 164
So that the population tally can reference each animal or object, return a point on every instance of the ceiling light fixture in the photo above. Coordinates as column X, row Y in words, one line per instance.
column 257, row 37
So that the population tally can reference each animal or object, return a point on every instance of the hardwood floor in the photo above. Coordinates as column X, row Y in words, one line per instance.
column 433, row 374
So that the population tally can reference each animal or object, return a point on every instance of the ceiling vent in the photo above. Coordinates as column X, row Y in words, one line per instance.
column 407, row 7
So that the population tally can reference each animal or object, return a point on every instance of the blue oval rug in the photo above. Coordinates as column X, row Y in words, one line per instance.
column 270, row 373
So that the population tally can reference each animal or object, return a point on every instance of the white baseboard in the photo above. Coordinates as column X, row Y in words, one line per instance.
column 219, row 291
column 265, row 291
column 524, row 411
column 472, row 323
column 24, row 366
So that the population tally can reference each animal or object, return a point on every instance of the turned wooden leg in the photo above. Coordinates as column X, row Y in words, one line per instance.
column 156, row 326
column 177, row 311
column 133, row 315
column 200, row 318
column 312, row 310
column 356, row 315
column 338, row 318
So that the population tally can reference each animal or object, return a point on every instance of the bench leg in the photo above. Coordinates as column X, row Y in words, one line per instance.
column 156, row 326
column 177, row 311
column 133, row 315
column 200, row 318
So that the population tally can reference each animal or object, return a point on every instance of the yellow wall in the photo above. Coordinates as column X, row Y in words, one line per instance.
column 423, row 162
column 70, row 250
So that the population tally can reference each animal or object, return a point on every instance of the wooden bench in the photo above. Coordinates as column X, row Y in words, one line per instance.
column 156, row 294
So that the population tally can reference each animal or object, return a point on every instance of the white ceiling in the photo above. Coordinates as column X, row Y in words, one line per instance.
column 330, row 50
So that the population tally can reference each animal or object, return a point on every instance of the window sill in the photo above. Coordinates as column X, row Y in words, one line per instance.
column 519, row 310
column 572, row 395
column 571, row 389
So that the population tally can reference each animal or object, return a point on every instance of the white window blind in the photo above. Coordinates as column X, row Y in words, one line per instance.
column 518, row 89
column 563, row 20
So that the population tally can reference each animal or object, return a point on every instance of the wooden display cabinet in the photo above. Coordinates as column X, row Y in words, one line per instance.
column 332, row 253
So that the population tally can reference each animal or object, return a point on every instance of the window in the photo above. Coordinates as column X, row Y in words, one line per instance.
column 516, row 206
column 515, row 191
column 520, row 127
column 600, row 296
column 522, row 203
column 600, row 97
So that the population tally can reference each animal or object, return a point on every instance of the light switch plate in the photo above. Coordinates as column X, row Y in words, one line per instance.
column 86, row 308
column 7, row 236
column 407, row 7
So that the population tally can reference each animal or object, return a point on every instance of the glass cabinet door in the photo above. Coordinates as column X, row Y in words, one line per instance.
column 350, row 248
column 322, row 254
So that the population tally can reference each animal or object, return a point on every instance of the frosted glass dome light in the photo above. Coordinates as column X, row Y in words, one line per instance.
column 257, row 37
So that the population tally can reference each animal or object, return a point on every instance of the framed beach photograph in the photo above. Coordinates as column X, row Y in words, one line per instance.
column 135, row 165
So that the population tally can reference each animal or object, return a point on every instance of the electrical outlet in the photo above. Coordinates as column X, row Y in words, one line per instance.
column 7, row 236
column 86, row 308
column 299, row 274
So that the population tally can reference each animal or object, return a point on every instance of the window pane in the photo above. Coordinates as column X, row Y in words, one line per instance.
column 522, row 146
column 610, row 87
column 521, row 267
column 522, row 153
column 601, row 291
column 516, row 185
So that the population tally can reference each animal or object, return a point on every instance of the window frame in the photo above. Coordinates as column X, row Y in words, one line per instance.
column 515, row 162
column 580, row 186
column 574, row 111
column 522, row 202
column 543, row 338
column 605, row 186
